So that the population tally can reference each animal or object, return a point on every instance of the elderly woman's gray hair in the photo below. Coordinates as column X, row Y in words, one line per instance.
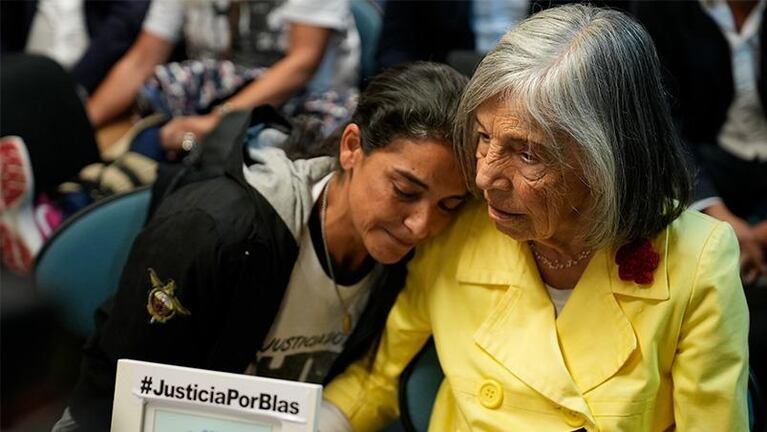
column 590, row 77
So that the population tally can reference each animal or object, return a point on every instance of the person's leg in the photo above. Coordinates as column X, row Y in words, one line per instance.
column 41, row 105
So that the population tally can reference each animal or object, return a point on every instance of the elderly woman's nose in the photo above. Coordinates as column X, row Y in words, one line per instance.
column 491, row 176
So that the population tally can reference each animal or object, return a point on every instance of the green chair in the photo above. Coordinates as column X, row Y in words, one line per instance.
column 80, row 266
column 418, row 389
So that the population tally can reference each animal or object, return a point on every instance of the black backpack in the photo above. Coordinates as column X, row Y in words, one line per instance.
column 209, row 158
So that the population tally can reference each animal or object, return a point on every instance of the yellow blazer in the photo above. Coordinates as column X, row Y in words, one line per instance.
column 620, row 356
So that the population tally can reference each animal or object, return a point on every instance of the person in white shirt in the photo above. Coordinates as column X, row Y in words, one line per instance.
column 299, row 44
column 714, row 51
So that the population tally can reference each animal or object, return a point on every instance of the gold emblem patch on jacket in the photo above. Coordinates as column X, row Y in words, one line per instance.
column 162, row 304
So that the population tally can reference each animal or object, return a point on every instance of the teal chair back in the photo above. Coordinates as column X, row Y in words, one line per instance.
column 369, row 20
column 80, row 266
column 418, row 389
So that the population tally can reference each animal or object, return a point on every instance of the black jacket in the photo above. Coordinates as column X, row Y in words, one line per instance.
column 231, row 256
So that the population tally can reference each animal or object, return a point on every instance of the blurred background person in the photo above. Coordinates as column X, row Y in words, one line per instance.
column 300, row 55
column 54, row 52
column 456, row 32
column 715, row 56
column 714, row 52
column 84, row 36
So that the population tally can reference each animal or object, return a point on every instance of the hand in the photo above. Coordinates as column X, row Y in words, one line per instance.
column 172, row 134
column 760, row 230
column 752, row 262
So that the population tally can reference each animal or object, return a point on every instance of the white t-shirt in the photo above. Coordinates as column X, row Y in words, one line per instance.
column 558, row 297
column 59, row 31
column 307, row 334
column 255, row 33
column 744, row 132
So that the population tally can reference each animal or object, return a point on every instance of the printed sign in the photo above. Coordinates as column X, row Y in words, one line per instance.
column 156, row 397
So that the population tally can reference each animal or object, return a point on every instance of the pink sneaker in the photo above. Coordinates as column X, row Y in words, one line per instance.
column 20, row 238
column 48, row 217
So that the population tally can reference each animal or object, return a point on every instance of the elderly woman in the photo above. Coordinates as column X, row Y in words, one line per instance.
column 580, row 293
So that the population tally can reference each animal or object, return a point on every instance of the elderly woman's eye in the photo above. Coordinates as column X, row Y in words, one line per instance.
column 528, row 157
column 482, row 145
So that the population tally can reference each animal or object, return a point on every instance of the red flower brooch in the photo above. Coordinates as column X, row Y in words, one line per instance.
column 637, row 261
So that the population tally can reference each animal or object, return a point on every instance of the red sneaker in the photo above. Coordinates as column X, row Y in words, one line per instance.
column 15, row 173
column 20, row 238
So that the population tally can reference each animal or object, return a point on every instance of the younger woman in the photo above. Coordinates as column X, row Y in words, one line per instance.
column 283, row 268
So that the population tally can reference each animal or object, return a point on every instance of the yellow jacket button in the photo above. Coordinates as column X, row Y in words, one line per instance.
column 574, row 419
column 490, row 394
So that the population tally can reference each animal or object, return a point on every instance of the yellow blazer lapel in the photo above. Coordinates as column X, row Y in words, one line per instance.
column 596, row 337
column 520, row 331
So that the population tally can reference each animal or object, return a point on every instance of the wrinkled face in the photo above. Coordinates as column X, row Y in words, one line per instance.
column 402, row 194
column 528, row 198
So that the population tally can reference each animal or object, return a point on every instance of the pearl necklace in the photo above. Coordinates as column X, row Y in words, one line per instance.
column 554, row 264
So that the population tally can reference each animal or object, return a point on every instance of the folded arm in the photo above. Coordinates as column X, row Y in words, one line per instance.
column 285, row 78
column 118, row 91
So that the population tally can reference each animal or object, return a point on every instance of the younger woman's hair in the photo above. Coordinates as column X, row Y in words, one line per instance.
column 414, row 100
